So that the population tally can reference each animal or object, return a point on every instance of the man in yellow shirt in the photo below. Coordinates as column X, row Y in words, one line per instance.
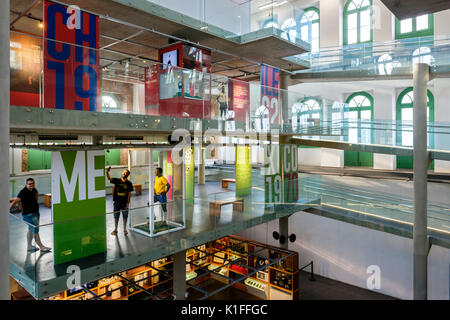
column 161, row 187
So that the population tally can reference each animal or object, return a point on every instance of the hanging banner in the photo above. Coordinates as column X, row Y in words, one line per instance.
column 71, row 73
column 189, row 174
column 168, row 172
column 25, row 70
column 78, row 204
column 289, row 156
column 272, row 174
column 270, row 92
column 243, row 171
column 239, row 95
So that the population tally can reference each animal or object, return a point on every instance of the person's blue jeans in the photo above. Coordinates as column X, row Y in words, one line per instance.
column 161, row 198
column 33, row 220
column 118, row 207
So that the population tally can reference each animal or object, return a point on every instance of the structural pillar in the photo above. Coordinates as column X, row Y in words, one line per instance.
column 4, row 149
column 201, row 166
column 421, row 160
column 283, row 228
column 130, row 159
column 284, row 97
column 179, row 275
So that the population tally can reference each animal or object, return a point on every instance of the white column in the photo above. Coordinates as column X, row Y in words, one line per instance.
column 421, row 157
column 4, row 149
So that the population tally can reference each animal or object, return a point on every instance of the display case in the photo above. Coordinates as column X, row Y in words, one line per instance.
column 223, row 260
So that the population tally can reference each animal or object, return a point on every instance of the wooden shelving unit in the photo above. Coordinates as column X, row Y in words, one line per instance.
column 279, row 281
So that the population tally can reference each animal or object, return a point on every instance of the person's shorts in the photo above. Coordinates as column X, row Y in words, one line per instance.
column 162, row 198
column 118, row 207
column 33, row 221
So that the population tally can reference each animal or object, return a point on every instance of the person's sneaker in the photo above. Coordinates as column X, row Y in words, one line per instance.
column 33, row 249
column 114, row 233
column 45, row 249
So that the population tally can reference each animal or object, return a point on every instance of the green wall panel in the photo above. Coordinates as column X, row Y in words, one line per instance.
column 78, row 204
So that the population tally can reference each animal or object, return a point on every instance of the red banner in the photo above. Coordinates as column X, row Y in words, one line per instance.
column 270, row 92
column 239, row 93
column 71, row 73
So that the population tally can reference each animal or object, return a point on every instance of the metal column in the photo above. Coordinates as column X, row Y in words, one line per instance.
column 179, row 275
column 421, row 160
column 284, row 85
column 283, row 228
column 4, row 149
column 201, row 166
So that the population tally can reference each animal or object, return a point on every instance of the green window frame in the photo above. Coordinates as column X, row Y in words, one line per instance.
column 365, row 103
column 414, row 33
column 306, row 108
column 405, row 100
column 309, row 20
column 408, row 95
column 358, row 8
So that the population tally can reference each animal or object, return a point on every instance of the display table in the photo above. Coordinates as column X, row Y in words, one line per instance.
column 215, row 207
column 226, row 181
column 137, row 189
column 48, row 200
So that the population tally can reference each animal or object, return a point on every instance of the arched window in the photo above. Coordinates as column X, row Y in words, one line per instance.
column 404, row 115
column 110, row 103
column 422, row 55
column 289, row 28
column 360, row 109
column 305, row 113
column 309, row 28
column 357, row 21
column 262, row 119
column 385, row 64
column 420, row 26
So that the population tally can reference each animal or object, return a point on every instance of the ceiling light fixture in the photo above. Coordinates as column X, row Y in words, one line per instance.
column 272, row 4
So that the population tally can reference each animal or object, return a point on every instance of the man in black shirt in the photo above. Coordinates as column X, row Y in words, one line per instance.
column 28, row 196
column 121, row 197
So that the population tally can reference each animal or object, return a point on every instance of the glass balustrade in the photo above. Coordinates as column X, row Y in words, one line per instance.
column 384, row 58
column 209, row 216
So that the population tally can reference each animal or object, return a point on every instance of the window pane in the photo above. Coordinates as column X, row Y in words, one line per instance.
column 366, row 115
column 304, row 33
column 422, row 22
column 315, row 45
column 352, row 36
column 315, row 30
column 365, row 18
column 352, row 21
column 406, row 25
column 407, row 114
column 365, row 34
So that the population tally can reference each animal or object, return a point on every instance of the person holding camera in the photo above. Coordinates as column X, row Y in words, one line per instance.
column 121, row 197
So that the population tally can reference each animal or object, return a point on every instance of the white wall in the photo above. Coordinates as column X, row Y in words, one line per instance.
column 343, row 252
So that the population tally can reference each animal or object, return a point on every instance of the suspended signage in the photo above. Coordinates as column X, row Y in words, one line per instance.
column 290, row 172
column 190, row 174
column 78, row 204
column 270, row 92
column 25, row 70
column 239, row 93
column 71, row 72
column 243, row 171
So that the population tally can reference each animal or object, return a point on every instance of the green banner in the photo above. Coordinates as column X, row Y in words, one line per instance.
column 272, row 174
column 289, row 157
column 78, row 204
column 189, row 174
column 243, row 171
